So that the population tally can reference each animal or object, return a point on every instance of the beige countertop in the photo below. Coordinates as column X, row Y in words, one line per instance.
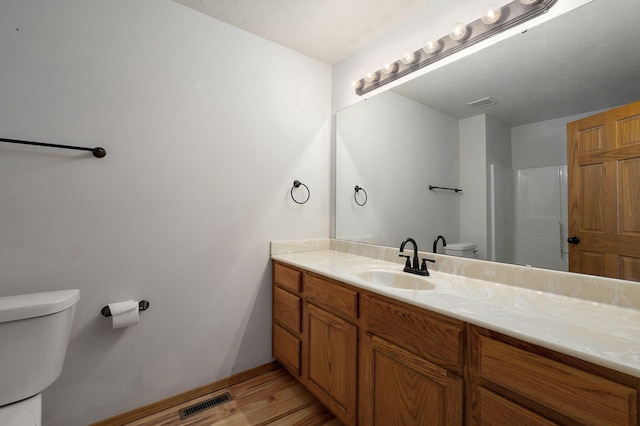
column 604, row 334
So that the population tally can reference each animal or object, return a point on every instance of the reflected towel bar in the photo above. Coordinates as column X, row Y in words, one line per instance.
column 97, row 152
column 431, row 188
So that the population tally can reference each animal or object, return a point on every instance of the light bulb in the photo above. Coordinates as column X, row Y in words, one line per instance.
column 409, row 57
column 529, row 2
column 491, row 14
column 357, row 84
column 432, row 46
column 372, row 76
column 389, row 67
column 458, row 32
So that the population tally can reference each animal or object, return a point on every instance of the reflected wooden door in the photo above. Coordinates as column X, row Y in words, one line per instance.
column 604, row 193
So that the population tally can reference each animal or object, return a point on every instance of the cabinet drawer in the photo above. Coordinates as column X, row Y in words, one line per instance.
column 427, row 334
column 287, row 277
column 286, row 309
column 286, row 349
column 590, row 399
column 495, row 410
column 335, row 298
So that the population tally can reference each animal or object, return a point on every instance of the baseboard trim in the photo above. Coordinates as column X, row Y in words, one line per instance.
column 139, row 413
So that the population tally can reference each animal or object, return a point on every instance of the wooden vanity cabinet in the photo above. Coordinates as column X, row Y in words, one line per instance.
column 315, row 336
column 373, row 360
column 412, row 365
column 369, row 359
column 530, row 385
column 330, row 348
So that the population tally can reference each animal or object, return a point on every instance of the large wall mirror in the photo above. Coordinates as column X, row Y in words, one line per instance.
column 509, row 158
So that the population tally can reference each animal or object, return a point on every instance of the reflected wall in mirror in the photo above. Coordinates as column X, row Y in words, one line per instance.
column 510, row 158
column 393, row 159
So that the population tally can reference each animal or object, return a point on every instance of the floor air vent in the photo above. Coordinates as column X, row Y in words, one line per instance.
column 205, row 405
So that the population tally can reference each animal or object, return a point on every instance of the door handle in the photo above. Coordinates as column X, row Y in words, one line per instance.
column 573, row 240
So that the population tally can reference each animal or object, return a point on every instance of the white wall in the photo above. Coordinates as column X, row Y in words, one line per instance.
column 395, row 148
column 484, row 141
column 543, row 143
column 206, row 127
column 500, row 245
column 473, row 181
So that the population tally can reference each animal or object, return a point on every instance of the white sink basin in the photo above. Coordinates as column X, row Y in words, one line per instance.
column 397, row 279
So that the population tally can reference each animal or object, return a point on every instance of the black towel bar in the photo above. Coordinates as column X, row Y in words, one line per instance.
column 97, row 152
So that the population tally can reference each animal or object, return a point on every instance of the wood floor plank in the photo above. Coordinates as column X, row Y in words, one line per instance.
column 313, row 415
column 272, row 398
column 258, row 402
column 128, row 417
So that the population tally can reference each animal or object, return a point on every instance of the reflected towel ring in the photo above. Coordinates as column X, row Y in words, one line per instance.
column 355, row 195
column 297, row 184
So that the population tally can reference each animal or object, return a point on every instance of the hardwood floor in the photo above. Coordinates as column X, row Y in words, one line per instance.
column 272, row 398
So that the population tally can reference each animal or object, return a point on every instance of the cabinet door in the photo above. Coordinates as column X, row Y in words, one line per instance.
column 331, row 364
column 400, row 388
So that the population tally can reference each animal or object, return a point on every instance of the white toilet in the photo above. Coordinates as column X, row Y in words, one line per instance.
column 34, row 333
column 461, row 250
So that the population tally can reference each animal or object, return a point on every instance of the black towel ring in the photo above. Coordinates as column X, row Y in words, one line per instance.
column 297, row 184
column 355, row 195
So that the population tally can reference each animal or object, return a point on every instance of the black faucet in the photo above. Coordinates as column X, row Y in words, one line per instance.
column 414, row 268
column 435, row 242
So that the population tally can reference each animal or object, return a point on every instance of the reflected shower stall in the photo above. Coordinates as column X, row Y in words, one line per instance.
column 528, row 216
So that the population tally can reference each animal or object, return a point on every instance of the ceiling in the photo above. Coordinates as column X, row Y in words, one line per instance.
column 582, row 61
column 326, row 30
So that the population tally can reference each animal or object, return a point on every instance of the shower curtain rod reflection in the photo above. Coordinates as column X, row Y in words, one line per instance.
column 97, row 152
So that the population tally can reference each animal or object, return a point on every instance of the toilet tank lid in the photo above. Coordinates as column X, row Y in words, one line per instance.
column 21, row 306
column 461, row 246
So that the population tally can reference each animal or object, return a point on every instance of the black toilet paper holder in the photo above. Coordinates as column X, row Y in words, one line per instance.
column 143, row 305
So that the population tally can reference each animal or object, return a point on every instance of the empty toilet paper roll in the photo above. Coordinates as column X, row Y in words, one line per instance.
column 124, row 314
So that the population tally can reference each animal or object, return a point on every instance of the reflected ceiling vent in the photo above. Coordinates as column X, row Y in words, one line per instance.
column 482, row 103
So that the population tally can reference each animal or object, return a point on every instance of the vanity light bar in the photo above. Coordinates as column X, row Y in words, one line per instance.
column 460, row 37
